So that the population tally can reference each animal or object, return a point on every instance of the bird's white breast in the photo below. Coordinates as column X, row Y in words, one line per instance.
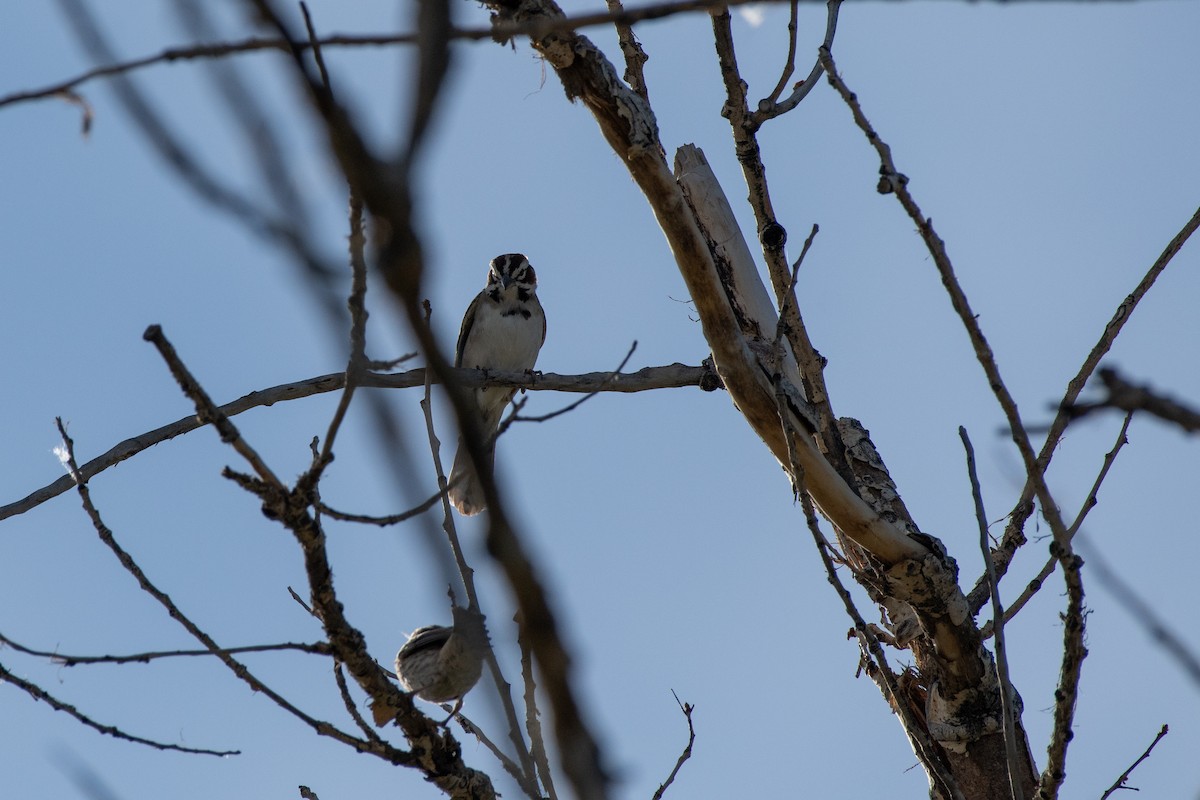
column 503, row 342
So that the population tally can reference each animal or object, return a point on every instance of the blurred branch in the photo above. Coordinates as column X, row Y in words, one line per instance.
column 278, row 229
column 1143, row 613
column 1120, row 782
column 1130, row 397
column 673, row 376
column 38, row 693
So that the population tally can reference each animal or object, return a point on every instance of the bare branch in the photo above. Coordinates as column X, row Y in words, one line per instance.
column 106, row 536
column 1006, row 690
column 344, row 690
column 768, row 108
column 891, row 181
column 687, row 709
column 789, row 64
column 673, row 376
column 922, row 743
column 1014, row 536
column 509, row 765
column 533, row 29
column 1120, row 783
column 1088, row 504
column 38, row 693
column 631, row 49
column 316, row 648
column 391, row 519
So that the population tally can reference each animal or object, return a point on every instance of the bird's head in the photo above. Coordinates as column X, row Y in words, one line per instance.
column 509, row 270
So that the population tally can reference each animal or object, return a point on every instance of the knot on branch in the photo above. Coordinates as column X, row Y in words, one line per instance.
column 710, row 381
column 773, row 236
column 969, row 714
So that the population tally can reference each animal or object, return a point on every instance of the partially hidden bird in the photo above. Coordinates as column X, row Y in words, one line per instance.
column 440, row 664
column 503, row 330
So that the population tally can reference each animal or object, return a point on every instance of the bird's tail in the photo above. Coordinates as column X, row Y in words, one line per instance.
column 466, row 493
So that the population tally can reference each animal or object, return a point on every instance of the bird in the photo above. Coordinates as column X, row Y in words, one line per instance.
column 440, row 664
column 503, row 329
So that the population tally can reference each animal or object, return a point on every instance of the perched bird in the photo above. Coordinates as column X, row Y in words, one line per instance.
column 503, row 329
column 440, row 664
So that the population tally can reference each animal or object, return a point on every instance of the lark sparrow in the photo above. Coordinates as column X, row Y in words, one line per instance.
column 503, row 329
column 440, row 664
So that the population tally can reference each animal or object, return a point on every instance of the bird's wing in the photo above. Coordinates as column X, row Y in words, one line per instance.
column 430, row 637
column 465, row 332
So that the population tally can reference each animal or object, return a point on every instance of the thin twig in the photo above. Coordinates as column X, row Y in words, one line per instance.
column 613, row 377
column 206, row 410
column 687, row 709
column 38, row 693
column 344, row 690
column 768, row 108
column 356, row 365
column 1006, row 694
column 533, row 725
column 391, row 519
column 773, row 238
column 1088, row 504
column 1120, row 783
column 892, row 181
column 789, row 64
column 509, row 765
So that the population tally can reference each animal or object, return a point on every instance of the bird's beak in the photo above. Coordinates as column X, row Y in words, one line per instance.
column 505, row 280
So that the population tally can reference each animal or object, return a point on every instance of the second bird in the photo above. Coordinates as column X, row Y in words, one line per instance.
column 503, row 330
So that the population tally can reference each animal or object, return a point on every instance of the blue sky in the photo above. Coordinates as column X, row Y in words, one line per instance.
column 1053, row 146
